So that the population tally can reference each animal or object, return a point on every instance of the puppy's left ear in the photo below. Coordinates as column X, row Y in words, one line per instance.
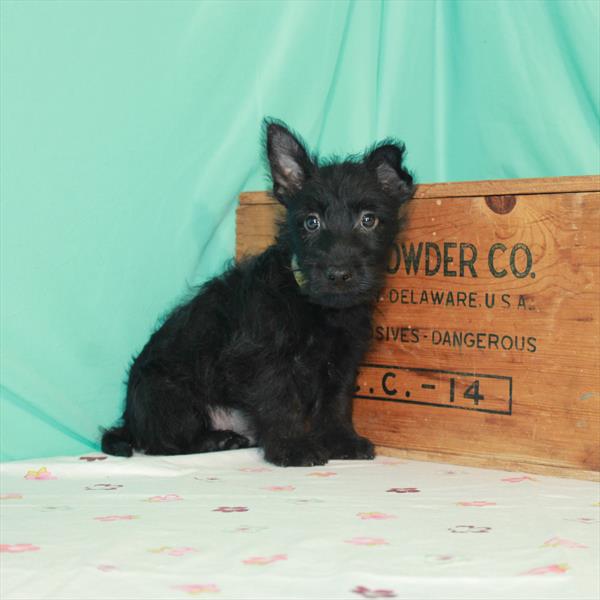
column 385, row 160
column 288, row 160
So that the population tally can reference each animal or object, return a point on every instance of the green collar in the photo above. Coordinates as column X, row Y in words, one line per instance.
column 298, row 276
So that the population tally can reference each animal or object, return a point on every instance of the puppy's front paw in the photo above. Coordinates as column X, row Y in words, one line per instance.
column 351, row 448
column 296, row 453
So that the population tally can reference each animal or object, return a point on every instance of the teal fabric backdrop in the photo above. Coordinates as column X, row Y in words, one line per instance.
column 129, row 128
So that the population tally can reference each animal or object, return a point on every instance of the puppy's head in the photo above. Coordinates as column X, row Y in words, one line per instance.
column 341, row 217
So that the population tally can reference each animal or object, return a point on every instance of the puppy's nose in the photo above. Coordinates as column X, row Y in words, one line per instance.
column 338, row 274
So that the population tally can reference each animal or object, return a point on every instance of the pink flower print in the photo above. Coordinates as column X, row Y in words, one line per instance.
column 247, row 529
column 106, row 568
column 264, row 560
column 198, row 588
column 16, row 548
column 584, row 520
column 321, row 474
column 518, row 479
column 555, row 542
column 408, row 490
column 549, row 569
column 11, row 496
column 367, row 541
column 366, row 592
column 166, row 498
column 280, row 488
column 254, row 469
column 92, row 458
column 117, row 518
column 180, row 551
column 440, row 557
column 40, row 475
column 476, row 503
column 375, row 515
column 390, row 462
column 229, row 509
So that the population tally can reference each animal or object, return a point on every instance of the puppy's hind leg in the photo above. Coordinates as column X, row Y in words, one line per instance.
column 163, row 414
column 230, row 429
column 165, row 417
column 213, row 441
column 205, row 441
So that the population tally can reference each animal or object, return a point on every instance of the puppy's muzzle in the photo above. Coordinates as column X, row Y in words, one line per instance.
column 338, row 275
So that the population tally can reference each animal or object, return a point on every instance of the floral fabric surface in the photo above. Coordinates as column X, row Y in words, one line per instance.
column 228, row 525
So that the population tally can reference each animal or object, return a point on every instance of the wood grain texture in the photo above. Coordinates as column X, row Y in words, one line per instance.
column 487, row 334
column 551, row 185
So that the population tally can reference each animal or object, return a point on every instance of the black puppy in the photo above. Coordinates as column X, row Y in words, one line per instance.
column 267, row 353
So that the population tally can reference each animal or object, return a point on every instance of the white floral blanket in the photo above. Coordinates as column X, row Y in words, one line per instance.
column 228, row 525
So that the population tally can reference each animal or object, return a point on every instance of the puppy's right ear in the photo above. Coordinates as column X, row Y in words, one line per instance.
column 386, row 161
column 288, row 160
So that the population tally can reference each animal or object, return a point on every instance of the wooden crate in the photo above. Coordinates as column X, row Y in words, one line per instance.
column 487, row 334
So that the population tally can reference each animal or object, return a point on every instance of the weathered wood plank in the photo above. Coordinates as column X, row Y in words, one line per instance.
column 549, row 185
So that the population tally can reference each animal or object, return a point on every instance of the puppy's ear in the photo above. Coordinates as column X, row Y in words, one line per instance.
column 288, row 160
column 385, row 160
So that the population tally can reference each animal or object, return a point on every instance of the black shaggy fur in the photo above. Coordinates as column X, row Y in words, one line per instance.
column 267, row 353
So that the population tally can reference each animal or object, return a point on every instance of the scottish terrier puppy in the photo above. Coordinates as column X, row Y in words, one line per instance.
column 267, row 353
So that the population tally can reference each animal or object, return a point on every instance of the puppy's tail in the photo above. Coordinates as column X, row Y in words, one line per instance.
column 117, row 441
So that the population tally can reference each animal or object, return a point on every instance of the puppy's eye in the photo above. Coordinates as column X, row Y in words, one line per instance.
column 368, row 220
column 312, row 222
